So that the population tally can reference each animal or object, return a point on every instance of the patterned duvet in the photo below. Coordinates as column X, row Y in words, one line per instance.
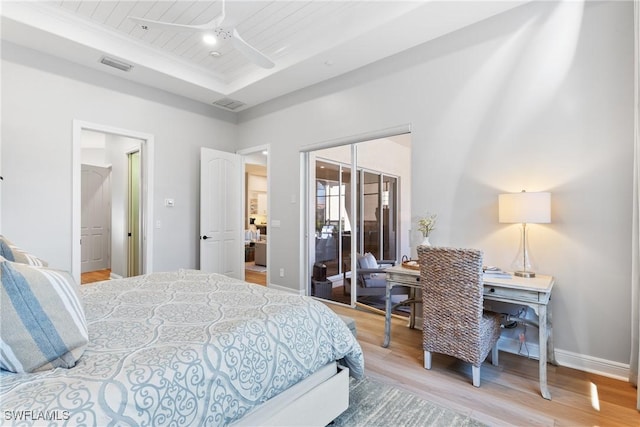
column 183, row 348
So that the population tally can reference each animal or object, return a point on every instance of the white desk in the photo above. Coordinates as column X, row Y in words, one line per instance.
column 534, row 292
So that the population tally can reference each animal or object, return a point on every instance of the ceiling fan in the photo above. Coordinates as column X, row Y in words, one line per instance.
column 214, row 28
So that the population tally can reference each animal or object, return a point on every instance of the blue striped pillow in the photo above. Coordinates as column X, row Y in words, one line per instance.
column 42, row 320
column 13, row 253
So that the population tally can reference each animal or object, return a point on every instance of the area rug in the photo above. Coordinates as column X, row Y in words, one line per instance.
column 372, row 403
column 256, row 268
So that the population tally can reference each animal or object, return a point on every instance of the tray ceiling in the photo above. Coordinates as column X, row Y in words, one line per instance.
column 309, row 41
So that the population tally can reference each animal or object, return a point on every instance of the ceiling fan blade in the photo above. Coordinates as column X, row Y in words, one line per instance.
column 250, row 52
column 151, row 24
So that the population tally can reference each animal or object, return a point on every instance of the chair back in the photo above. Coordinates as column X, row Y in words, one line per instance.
column 452, row 299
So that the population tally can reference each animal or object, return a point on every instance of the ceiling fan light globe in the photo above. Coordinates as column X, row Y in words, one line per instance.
column 209, row 39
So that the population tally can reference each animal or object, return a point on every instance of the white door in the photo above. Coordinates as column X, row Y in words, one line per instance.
column 95, row 218
column 221, row 237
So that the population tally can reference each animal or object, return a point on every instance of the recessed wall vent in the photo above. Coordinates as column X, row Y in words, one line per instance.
column 229, row 104
column 116, row 63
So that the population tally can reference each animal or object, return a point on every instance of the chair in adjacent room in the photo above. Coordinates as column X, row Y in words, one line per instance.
column 454, row 320
column 371, row 277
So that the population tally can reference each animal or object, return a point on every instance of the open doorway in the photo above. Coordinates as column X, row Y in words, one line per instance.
column 359, row 205
column 256, row 215
column 112, row 210
column 110, row 206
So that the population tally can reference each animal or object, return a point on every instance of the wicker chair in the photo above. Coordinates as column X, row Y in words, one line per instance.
column 454, row 321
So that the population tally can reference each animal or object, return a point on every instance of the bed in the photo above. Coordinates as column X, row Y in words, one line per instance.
column 193, row 348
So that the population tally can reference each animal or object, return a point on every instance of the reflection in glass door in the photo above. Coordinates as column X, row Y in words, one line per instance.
column 377, row 215
column 332, row 228
column 374, row 224
column 390, row 209
column 370, row 214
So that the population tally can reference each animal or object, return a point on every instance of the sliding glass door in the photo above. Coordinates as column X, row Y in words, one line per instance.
column 373, row 224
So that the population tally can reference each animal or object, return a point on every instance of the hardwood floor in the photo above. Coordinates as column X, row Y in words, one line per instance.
column 95, row 276
column 255, row 277
column 508, row 394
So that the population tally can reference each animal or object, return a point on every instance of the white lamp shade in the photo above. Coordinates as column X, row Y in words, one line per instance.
column 528, row 208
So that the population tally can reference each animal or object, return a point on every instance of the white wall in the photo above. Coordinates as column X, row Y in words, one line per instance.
column 539, row 98
column 93, row 150
column 41, row 96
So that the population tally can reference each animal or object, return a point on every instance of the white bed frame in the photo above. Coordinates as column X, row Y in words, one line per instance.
column 314, row 401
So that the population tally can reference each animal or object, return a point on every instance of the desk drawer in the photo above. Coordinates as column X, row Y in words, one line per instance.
column 403, row 278
column 514, row 294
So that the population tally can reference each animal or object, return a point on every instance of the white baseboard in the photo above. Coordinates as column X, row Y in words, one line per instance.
column 568, row 359
column 594, row 365
column 114, row 276
column 285, row 289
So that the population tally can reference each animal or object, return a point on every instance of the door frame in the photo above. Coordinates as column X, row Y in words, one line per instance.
column 146, row 156
column 244, row 152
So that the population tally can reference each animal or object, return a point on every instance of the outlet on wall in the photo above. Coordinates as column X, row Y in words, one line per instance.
column 282, row 272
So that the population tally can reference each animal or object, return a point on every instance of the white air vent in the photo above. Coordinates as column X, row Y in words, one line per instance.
column 115, row 63
column 229, row 104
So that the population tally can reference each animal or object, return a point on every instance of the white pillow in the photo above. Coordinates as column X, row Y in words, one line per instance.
column 11, row 252
column 369, row 261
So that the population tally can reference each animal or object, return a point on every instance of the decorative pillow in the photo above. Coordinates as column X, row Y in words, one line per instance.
column 42, row 320
column 370, row 261
column 11, row 252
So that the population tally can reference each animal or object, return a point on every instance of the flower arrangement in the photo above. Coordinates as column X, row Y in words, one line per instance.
column 427, row 224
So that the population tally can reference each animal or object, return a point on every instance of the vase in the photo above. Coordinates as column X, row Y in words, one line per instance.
column 425, row 241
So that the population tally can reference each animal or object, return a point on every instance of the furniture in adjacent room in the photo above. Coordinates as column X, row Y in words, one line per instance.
column 260, row 257
column 454, row 320
column 326, row 244
column 322, row 288
column 262, row 228
column 531, row 292
column 371, row 276
column 249, row 252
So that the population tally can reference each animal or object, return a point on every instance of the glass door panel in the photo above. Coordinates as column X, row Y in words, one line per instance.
column 371, row 223
column 328, row 207
column 332, row 229
column 389, row 217
column 345, row 219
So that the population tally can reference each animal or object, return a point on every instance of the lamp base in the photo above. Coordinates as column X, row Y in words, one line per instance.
column 527, row 274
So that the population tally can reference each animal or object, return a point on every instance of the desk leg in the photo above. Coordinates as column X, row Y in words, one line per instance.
column 387, row 316
column 412, row 306
column 543, row 335
column 551, row 352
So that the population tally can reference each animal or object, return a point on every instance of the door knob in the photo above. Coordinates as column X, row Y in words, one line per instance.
column 204, row 237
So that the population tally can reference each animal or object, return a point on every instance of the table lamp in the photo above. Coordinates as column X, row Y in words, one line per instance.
column 524, row 208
